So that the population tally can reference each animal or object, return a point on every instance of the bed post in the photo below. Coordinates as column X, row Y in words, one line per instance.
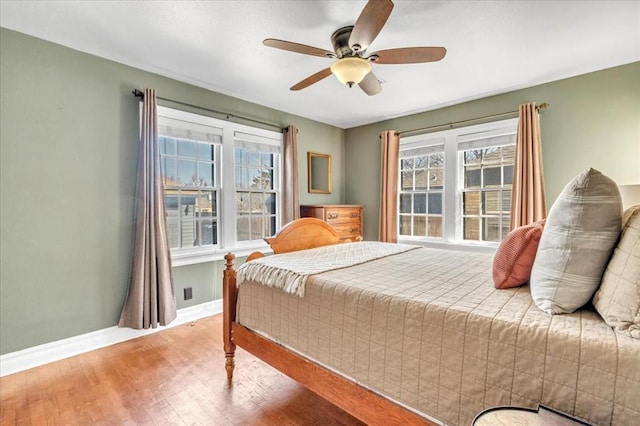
column 229, row 297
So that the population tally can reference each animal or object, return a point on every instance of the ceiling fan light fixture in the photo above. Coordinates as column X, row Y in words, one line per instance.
column 351, row 70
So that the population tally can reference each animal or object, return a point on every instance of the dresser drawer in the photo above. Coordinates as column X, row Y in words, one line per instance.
column 348, row 230
column 341, row 215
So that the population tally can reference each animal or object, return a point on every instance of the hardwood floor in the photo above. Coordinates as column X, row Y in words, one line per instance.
column 173, row 377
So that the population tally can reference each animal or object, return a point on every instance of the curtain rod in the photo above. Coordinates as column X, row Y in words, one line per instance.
column 139, row 94
column 539, row 108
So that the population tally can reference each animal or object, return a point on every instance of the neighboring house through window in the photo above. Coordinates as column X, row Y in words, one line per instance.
column 222, row 185
column 455, row 185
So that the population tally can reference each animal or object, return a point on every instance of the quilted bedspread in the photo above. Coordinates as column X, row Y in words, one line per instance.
column 427, row 329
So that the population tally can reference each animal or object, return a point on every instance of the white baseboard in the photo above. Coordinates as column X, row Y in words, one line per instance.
column 43, row 354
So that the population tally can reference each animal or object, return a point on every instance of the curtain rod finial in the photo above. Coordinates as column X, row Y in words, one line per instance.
column 543, row 106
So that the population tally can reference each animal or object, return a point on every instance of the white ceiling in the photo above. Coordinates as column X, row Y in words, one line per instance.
column 492, row 46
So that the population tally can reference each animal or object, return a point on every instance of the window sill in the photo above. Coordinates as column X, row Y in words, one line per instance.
column 185, row 258
column 447, row 245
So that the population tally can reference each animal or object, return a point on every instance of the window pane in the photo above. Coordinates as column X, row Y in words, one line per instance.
column 271, row 204
column 406, row 164
column 205, row 151
column 241, row 177
column 255, row 178
column 205, row 174
column 188, row 228
column 257, row 227
column 491, row 203
column 169, row 171
column 186, row 148
column 168, row 146
column 420, row 203
column 471, row 228
column 419, row 226
column 491, row 229
column 492, row 155
column 472, row 178
column 186, row 172
column 421, row 162
column 214, row 204
column 239, row 156
column 471, row 202
column 173, row 232
column 405, row 225
column 208, row 231
column 421, row 179
column 257, row 202
column 267, row 178
column 405, row 203
column 492, row 176
column 436, row 178
column 267, row 159
column 406, row 181
column 242, row 228
column 254, row 158
column 508, row 175
column 509, row 154
column 473, row 156
column 506, row 202
column 435, row 203
column 436, row 160
column 505, row 226
column 242, row 202
column 271, row 226
column 435, row 226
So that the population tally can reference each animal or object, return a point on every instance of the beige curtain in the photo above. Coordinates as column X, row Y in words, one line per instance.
column 527, row 199
column 290, row 193
column 151, row 299
column 388, row 225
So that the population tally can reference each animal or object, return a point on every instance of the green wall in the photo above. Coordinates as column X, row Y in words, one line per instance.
column 68, row 156
column 594, row 121
column 68, row 138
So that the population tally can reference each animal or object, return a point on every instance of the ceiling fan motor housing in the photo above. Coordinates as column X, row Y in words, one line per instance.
column 340, row 42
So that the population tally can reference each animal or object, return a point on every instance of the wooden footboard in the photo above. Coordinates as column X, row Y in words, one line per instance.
column 358, row 401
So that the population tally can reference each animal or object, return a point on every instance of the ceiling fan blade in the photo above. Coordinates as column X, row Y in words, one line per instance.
column 408, row 55
column 369, row 23
column 314, row 78
column 370, row 84
column 298, row 48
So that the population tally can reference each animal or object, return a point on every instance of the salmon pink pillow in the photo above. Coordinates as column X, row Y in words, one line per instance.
column 514, row 259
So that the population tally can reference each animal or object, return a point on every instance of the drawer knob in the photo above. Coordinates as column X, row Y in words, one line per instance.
column 354, row 230
column 332, row 215
column 354, row 214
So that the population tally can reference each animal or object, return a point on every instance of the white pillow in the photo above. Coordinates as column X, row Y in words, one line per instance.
column 581, row 231
column 618, row 298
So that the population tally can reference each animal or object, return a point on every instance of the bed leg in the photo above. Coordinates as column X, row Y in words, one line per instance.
column 229, row 297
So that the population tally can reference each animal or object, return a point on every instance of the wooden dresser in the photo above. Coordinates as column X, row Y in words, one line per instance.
column 345, row 218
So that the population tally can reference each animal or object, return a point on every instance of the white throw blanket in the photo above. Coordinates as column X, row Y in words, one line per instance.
column 289, row 271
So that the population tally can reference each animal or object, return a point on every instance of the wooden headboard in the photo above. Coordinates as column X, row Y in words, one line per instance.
column 301, row 234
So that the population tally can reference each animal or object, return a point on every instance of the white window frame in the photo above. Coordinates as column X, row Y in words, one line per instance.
column 225, row 185
column 453, row 140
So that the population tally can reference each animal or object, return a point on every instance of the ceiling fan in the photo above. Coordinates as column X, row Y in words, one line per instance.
column 353, row 65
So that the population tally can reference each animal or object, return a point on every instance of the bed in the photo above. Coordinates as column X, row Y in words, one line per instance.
column 396, row 338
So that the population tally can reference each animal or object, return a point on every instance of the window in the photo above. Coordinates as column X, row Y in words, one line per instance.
column 256, row 195
column 421, row 185
column 486, row 192
column 455, row 185
column 221, row 182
